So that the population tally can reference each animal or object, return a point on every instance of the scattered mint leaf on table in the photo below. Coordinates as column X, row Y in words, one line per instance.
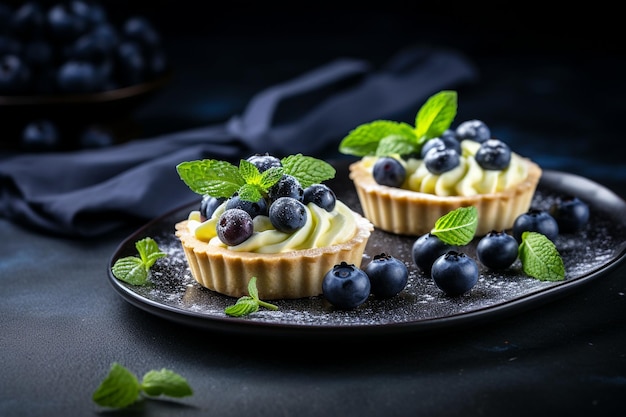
column 135, row 270
column 121, row 388
column 457, row 227
column 248, row 303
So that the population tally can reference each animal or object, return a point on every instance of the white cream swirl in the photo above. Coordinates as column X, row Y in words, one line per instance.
column 467, row 179
column 321, row 229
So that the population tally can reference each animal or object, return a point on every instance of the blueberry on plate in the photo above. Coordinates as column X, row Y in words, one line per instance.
column 345, row 286
column 388, row 275
column 497, row 250
column 535, row 220
column 426, row 249
column 571, row 214
column 455, row 273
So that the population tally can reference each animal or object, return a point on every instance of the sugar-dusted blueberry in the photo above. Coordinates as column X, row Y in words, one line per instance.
column 346, row 286
column 321, row 195
column 440, row 160
column 388, row 275
column 254, row 208
column 426, row 249
column 443, row 141
column 287, row 186
column 475, row 130
column 388, row 171
column 535, row 220
column 265, row 161
column 493, row 154
column 234, row 227
column 455, row 273
column 571, row 214
column 287, row 214
column 497, row 250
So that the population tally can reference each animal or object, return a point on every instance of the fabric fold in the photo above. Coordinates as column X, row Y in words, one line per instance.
column 92, row 192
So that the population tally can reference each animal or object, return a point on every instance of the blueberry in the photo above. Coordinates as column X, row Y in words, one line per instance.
column 455, row 273
column 263, row 162
column 426, row 249
column 287, row 186
column 15, row 75
column 234, row 226
column 209, row 204
column 78, row 77
column 287, row 214
column 493, row 154
column 93, row 137
column 321, row 195
column 497, row 250
column 475, row 130
column 388, row 171
column 440, row 160
column 253, row 208
column 345, row 286
column 535, row 220
column 388, row 275
column 571, row 214
column 40, row 135
column 447, row 141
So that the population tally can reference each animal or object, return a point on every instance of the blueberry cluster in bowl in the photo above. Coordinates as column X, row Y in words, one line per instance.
column 72, row 47
column 70, row 73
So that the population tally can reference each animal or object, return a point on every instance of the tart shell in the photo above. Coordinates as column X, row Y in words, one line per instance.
column 411, row 213
column 288, row 275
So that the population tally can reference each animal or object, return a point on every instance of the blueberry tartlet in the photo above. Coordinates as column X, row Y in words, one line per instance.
column 409, row 176
column 268, row 218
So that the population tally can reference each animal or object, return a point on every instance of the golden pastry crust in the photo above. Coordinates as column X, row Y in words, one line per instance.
column 412, row 213
column 289, row 275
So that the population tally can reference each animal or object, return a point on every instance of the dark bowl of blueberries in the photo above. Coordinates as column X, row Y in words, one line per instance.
column 70, row 76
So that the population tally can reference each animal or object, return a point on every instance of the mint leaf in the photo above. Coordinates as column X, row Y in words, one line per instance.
column 457, row 227
column 364, row 139
column 396, row 145
column 248, row 303
column 436, row 115
column 307, row 170
column 165, row 382
column 540, row 258
column 149, row 251
column 135, row 270
column 211, row 177
column 119, row 389
column 130, row 269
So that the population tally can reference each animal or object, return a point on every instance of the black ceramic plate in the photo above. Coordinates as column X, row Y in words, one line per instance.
column 587, row 256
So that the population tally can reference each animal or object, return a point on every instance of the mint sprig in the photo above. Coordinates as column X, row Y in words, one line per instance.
column 457, row 227
column 121, row 388
column 223, row 179
column 385, row 137
column 250, row 303
column 135, row 270
column 540, row 257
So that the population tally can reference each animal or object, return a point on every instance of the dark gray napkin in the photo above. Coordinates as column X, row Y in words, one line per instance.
column 92, row 192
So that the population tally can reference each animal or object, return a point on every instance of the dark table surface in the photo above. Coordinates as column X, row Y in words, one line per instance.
column 62, row 324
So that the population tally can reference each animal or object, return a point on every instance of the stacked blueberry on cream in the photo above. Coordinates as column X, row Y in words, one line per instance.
column 268, row 218
column 409, row 176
